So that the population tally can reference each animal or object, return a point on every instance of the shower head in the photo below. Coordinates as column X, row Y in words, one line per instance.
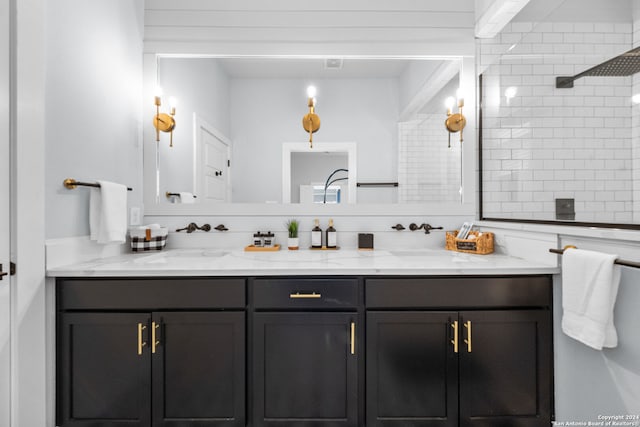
column 622, row 65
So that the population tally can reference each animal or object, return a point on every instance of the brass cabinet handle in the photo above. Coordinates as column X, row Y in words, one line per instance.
column 467, row 341
column 141, row 343
column 353, row 337
column 299, row 295
column 454, row 341
column 154, row 341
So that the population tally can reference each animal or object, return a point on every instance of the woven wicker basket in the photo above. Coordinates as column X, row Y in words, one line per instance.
column 482, row 244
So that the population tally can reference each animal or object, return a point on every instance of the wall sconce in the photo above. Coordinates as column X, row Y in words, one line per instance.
column 311, row 121
column 455, row 122
column 162, row 121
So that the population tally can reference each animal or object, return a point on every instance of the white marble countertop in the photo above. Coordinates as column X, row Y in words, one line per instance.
column 216, row 262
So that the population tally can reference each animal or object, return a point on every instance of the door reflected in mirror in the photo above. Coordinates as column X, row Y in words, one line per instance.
column 237, row 114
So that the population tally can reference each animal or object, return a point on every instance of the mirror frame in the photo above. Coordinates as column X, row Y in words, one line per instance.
column 467, row 206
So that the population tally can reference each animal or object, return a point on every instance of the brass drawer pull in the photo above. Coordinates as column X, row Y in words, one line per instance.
column 467, row 341
column 141, row 343
column 454, row 341
column 154, row 341
column 353, row 337
column 298, row 295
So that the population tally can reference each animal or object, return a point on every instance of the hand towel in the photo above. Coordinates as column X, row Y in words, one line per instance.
column 589, row 288
column 186, row 197
column 108, row 213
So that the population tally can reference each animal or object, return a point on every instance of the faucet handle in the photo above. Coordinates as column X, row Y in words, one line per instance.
column 398, row 227
column 413, row 226
column 428, row 228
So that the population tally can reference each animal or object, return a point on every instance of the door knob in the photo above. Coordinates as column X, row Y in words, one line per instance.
column 12, row 270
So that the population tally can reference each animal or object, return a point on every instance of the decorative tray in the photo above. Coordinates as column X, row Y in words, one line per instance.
column 252, row 248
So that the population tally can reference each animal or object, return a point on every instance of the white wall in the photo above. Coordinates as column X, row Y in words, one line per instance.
column 414, row 77
column 200, row 86
column 588, row 382
column 268, row 112
column 93, row 105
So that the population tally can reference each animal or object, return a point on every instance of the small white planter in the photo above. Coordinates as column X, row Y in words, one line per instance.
column 293, row 243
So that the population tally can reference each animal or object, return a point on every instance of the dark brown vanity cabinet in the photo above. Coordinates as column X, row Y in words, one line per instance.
column 151, row 365
column 306, row 352
column 459, row 352
column 471, row 351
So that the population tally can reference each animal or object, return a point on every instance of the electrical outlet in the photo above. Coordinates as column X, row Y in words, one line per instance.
column 134, row 216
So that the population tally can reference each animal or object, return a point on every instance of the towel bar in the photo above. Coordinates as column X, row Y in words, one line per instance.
column 71, row 184
column 169, row 194
column 618, row 261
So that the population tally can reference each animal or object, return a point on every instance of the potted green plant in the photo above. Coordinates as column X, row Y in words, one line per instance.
column 292, row 228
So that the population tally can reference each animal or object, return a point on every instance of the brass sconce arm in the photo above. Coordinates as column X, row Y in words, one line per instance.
column 164, row 122
column 455, row 122
column 311, row 121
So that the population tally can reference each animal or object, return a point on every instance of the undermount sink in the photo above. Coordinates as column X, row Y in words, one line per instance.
column 181, row 254
column 416, row 253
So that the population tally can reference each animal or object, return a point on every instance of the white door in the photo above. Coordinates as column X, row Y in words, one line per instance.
column 5, row 170
column 212, row 163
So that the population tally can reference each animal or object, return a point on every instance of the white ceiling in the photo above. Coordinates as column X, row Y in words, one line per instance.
column 384, row 27
column 576, row 11
column 314, row 68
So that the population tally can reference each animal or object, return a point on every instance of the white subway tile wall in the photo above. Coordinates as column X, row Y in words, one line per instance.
column 428, row 171
column 546, row 143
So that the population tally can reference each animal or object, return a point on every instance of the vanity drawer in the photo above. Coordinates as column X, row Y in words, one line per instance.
column 151, row 293
column 459, row 292
column 303, row 293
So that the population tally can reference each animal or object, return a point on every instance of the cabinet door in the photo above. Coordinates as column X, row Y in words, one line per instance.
column 104, row 370
column 305, row 369
column 199, row 369
column 412, row 369
column 505, row 368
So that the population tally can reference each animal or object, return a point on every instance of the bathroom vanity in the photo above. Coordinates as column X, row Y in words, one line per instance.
column 153, row 346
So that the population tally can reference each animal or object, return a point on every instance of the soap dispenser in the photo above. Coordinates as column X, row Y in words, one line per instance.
column 316, row 235
column 332, row 236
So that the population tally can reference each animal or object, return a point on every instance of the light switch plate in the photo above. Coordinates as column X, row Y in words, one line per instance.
column 134, row 216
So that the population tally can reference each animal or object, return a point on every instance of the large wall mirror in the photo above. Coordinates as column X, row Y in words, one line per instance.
column 560, row 140
column 382, row 139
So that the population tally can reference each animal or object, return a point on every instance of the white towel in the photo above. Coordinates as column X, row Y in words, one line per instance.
column 108, row 213
column 589, row 288
column 186, row 197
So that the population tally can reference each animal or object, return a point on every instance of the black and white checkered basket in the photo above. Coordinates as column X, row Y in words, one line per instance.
column 154, row 239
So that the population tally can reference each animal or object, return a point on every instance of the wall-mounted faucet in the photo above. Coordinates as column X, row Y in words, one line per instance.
column 205, row 227
column 426, row 227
